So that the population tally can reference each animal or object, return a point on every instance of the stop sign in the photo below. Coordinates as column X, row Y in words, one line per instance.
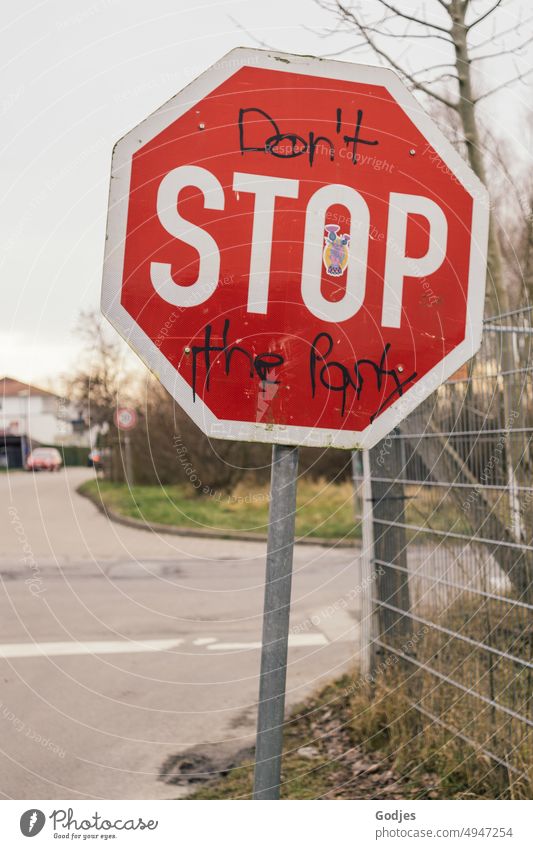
column 295, row 250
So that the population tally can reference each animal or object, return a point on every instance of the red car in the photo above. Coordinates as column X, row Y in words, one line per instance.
column 44, row 459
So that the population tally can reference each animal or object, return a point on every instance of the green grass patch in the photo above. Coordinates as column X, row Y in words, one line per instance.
column 323, row 509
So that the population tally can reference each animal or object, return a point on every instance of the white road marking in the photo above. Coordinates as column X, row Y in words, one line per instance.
column 295, row 640
column 72, row 648
column 94, row 647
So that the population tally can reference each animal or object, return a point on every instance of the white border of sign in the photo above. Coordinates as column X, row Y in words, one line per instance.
column 151, row 354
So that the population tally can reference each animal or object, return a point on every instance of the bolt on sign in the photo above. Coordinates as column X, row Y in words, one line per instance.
column 295, row 250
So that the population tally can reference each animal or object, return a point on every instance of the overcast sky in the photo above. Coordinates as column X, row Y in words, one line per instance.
column 76, row 76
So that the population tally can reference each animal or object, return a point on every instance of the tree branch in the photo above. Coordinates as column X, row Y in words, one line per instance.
column 501, row 34
column 483, row 16
column 429, row 81
column 258, row 41
column 510, row 51
column 350, row 15
column 344, row 51
column 375, row 27
column 436, row 67
column 425, row 35
column 413, row 18
column 519, row 78
column 492, row 151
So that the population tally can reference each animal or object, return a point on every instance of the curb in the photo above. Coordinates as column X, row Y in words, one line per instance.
column 206, row 533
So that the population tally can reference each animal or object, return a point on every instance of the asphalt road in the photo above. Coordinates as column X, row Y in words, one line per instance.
column 121, row 649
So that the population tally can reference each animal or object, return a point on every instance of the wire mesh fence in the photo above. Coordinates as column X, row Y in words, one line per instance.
column 452, row 551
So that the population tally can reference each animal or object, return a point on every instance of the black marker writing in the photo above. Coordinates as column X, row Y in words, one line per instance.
column 328, row 370
column 356, row 139
column 289, row 145
column 324, row 370
column 261, row 364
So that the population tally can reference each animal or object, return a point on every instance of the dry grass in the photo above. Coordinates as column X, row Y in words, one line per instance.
column 417, row 742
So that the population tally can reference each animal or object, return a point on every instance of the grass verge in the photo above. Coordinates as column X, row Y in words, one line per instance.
column 323, row 510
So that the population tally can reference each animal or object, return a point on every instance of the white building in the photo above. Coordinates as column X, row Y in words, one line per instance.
column 38, row 415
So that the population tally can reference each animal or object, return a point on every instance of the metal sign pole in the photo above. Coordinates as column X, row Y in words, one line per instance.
column 280, row 549
column 127, row 461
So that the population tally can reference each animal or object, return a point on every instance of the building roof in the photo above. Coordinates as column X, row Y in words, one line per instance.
column 9, row 386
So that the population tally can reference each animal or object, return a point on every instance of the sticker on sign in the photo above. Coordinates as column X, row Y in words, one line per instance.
column 296, row 250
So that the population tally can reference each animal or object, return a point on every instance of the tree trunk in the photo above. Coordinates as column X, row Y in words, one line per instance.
column 441, row 459
column 437, row 454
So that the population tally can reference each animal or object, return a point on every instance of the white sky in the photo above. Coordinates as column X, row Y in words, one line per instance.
column 76, row 76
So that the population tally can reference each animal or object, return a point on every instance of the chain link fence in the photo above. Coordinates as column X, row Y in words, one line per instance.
column 449, row 531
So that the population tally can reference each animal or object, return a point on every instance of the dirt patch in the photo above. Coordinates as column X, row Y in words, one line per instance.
column 193, row 768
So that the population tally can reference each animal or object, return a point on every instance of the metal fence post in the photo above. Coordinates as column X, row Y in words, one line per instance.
column 280, row 548
column 464, row 664
column 389, row 538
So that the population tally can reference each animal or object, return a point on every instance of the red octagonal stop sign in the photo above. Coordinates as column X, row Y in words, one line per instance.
column 295, row 250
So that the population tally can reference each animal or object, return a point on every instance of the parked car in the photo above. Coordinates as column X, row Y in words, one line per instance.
column 44, row 459
column 95, row 458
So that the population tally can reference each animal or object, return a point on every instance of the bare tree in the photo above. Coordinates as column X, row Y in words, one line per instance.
column 99, row 380
column 99, row 383
column 174, row 449
column 452, row 82
column 513, row 194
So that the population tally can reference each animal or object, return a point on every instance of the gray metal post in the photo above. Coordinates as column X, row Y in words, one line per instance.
column 128, row 471
column 280, row 548
column 367, row 662
column 387, row 468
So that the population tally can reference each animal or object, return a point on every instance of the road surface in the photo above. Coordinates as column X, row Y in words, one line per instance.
column 121, row 649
